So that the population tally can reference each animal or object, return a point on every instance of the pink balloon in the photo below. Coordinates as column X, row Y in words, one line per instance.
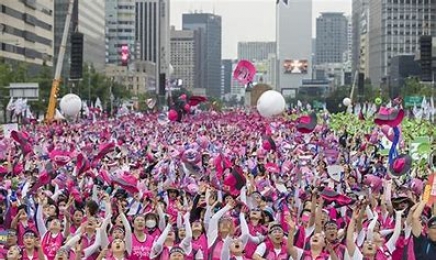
column 187, row 108
column 183, row 97
column 172, row 115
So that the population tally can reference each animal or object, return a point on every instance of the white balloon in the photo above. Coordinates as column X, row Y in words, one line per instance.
column 271, row 103
column 346, row 102
column 70, row 105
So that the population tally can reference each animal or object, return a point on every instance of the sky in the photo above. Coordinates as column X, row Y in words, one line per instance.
column 247, row 20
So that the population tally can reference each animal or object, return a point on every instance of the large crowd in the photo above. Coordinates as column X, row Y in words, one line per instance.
column 215, row 186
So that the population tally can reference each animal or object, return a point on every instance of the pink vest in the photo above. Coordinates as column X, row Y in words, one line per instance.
column 250, row 248
column 86, row 242
column 199, row 244
column 215, row 250
column 400, row 246
column 383, row 254
column 339, row 250
column 141, row 250
column 34, row 256
column 300, row 240
column 165, row 253
column 307, row 255
column 270, row 253
column 50, row 245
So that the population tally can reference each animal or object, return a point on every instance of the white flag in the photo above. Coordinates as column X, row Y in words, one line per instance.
column 98, row 104
column 10, row 106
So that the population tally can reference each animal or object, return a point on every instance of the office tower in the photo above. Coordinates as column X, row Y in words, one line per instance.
column 92, row 24
column 359, row 23
column 152, row 34
column 26, row 32
column 88, row 18
column 120, row 29
column 255, row 51
column 185, row 57
column 394, row 29
column 208, row 26
column 227, row 71
column 294, row 44
column 331, row 38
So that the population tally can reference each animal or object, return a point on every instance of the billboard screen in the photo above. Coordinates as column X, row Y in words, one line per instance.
column 295, row 66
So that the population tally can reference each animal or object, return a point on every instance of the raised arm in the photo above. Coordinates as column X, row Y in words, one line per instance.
column 397, row 231
column 416, row 219
column 128, row 235
column 94, row 247
column 212, row 232
column 186, row 242
column 158, row 245
column 351, row 245
column 40, row 221
column 292, row 250
column 225, row 253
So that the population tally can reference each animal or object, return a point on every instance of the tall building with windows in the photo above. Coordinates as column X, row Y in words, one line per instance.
column 184, row 57
column 294, row 44
column 209, row 29
column 359, row 22
column 331, row 38
column 255, row 51
column 120, row 29
column 26, row 32
column 92, row 24
column 394, row 29
column 88, row 17
column 152, row 34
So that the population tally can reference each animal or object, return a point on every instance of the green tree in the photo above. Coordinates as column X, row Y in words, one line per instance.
column 414, row 87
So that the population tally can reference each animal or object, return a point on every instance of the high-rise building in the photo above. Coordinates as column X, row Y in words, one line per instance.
column 152, row 33
column 120, row 29
column 394, row 29
column 185, row 57
column 88, row 17
column 92, row 24
column 255, row 51
column 209, row 29
column 294, row 45
column 26, row 32
column 331, row 38
column 359, row 22
column 227, row 71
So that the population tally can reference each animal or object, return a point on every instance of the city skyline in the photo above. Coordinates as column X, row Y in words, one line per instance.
column 234, row 31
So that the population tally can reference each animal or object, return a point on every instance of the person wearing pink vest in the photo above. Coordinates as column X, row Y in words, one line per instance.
column 319, row 249
column 219, row 227
column 199, row 241
column 14, row 253
column 117, row 251
column 141, row 242
column 167, row 240
column 52, row 238
column 32, row 248
column 275, row 246
column 234, row 248
column 257, row 232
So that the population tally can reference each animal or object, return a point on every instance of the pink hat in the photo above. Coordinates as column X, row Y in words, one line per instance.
column 389, row 116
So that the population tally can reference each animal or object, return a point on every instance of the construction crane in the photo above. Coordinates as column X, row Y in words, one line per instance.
column 51, row 109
